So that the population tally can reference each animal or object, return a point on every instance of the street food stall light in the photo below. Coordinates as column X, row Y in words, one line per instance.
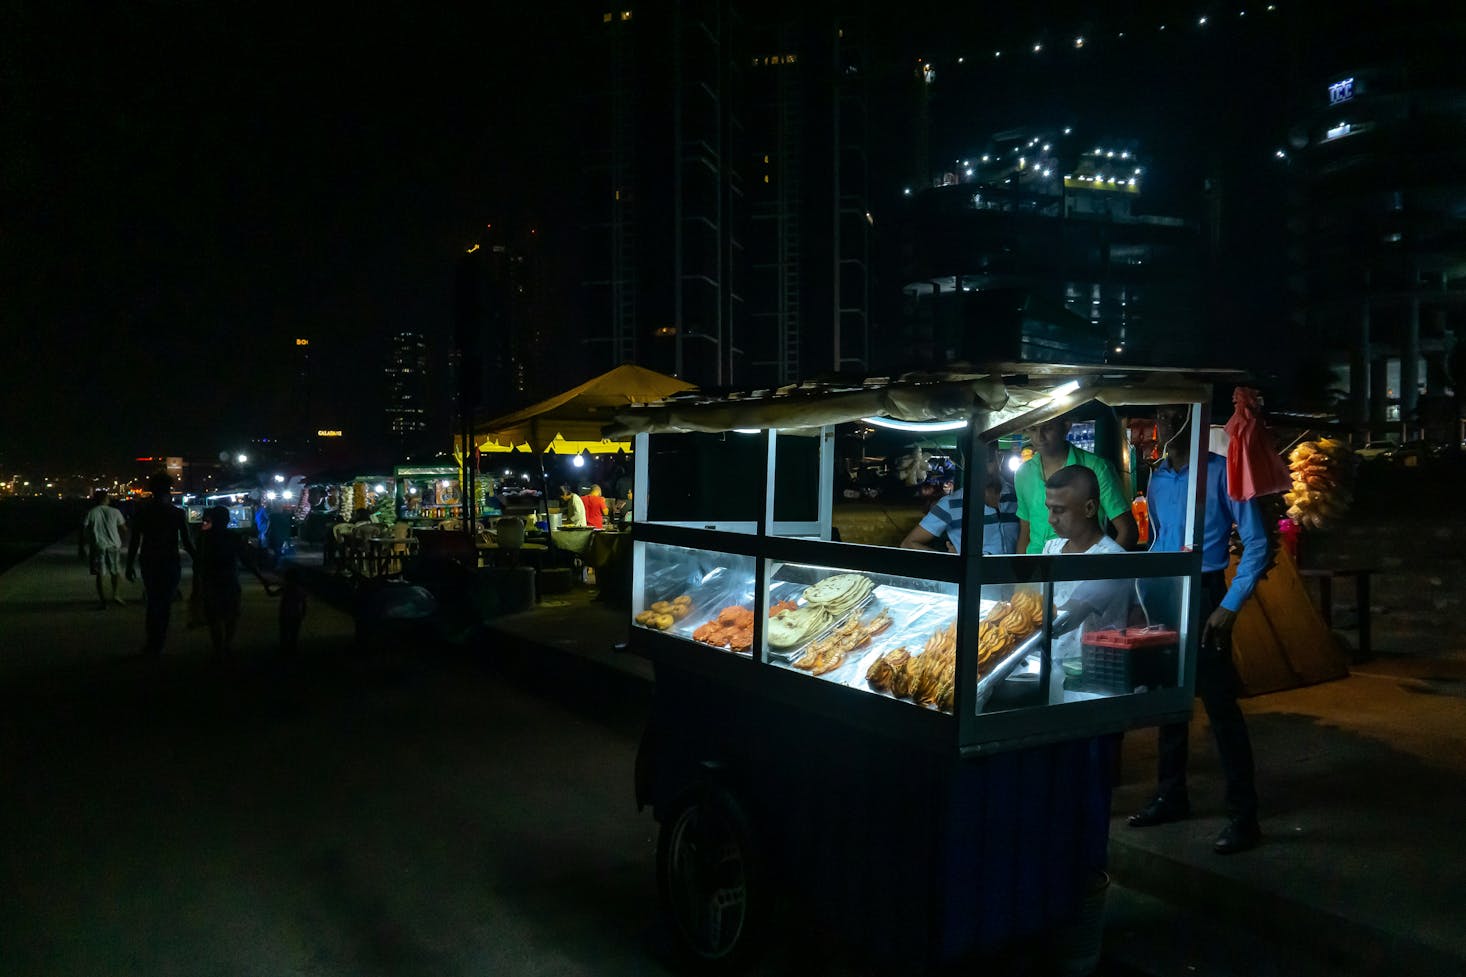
column 241, row 458
column 579, row 461
column 287, row 495
column 1015, row 463
column 279, row 478
column 922, row 426
column 380, row 489
column 270, row 496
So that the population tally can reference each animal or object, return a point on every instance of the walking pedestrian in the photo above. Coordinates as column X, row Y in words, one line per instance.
column 100, row 543
column 158, row 529
column 216, row 576
column 292, row 611
column 1216, row 677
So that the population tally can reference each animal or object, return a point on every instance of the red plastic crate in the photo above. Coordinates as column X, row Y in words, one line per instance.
column 1124, row 660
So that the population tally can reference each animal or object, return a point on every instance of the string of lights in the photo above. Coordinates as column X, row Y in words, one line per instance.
column 1081, row 41
column 1088, row 42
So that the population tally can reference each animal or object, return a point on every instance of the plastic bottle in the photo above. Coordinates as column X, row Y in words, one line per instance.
column 1141, row 511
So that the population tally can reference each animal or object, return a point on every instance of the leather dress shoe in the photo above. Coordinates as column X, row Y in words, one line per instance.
column 1161, row 810
column 1239, row 835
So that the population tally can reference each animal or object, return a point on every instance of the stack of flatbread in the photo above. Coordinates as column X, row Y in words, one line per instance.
column 840, row 594
column 826, row 602
column 790, row 628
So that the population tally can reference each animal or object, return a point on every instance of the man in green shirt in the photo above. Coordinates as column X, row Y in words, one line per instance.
column 1051, row 452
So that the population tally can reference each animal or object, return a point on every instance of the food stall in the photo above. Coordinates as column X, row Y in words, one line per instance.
column 237, row 501
column 572, row 425
column 915, row 746
column 428, row 494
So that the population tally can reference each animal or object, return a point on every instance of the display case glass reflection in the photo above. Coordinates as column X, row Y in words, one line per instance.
column 698, row 595
column 838, row 626
column 1101, row 638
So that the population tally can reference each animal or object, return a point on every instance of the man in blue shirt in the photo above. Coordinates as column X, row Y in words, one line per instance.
column 1216, row 677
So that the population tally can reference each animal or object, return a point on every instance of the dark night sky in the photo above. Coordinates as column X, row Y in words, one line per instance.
column 189, row 186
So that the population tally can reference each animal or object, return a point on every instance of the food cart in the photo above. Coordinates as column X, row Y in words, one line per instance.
column 241, row 510
column 884, row 736
column 429, row 494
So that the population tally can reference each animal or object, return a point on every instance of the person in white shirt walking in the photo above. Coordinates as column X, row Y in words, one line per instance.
column 101, row 545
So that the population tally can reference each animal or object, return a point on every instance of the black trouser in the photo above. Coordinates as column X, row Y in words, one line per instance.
column 1216, row 686
column 160, row 581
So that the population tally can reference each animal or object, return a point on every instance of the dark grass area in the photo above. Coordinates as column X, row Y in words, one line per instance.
column 28, row 526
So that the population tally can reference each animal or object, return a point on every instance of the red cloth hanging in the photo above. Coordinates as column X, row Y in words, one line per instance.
column 1253, row 467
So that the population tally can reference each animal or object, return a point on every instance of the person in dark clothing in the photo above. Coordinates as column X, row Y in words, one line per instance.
column 292, row 611
column 216, row 575
column 158, row 529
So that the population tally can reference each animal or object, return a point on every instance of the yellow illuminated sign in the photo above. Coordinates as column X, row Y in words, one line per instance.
column 302, row 342
column 328, row 434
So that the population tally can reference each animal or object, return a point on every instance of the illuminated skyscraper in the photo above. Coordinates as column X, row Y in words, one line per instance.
column 406, row 376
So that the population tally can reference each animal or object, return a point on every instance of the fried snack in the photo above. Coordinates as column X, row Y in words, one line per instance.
column 679, row 611
column 1030, row 605
column 683, row 599
column 781, row 606
column 828, row 653
column 663, row 621
column 731, row 628
column 662, row 607
column 903, row 677
column 646, row 617
column 880, row 675
column 1017, row 623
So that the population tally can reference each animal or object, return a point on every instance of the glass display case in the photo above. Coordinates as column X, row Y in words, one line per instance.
column 982, row 652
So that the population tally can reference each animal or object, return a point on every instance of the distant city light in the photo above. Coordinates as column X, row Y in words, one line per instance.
column 1079, row 42
column 1046, row 147
column 1037, row 48
column 986, row 157
column 1280, row 154
column 1201, row 22
column 1068, row 130
column 279, row 478
column 907, row 191
column 241, row 458
column 960, row 60
column 969, row 171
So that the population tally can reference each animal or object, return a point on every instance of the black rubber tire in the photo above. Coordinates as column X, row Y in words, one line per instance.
column 711, row 879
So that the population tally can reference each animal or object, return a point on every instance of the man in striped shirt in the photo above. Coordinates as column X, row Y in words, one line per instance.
column 944, row 519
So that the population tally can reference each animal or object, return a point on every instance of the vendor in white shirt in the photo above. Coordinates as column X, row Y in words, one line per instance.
column 1072, row 497
column 572, row 510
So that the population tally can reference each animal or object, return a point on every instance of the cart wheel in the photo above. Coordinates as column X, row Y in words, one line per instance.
column 710, row 876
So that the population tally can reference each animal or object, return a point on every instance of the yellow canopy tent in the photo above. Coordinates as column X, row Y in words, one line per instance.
column 571, row 422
